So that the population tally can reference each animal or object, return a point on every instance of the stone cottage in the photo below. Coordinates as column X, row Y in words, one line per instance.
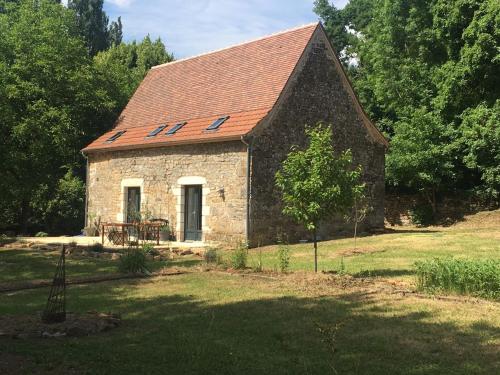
column 201, row 139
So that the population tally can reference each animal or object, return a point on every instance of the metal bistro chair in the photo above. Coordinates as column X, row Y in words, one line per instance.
column 118, row 235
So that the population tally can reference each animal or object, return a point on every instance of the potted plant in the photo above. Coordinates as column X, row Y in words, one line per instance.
column 93, row 229
column 164, row 232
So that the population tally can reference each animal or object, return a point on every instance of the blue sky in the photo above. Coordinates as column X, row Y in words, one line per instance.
column 191, row 27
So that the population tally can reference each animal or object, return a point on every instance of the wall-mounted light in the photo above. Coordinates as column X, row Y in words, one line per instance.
column 220, row 191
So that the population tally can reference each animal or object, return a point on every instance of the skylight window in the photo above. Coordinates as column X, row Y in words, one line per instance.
column 156, row 131
column 115, row 136
column 217, row 123
column 175, row 128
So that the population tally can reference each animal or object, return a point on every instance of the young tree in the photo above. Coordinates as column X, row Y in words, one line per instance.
column 317, row 183
column 361, row 208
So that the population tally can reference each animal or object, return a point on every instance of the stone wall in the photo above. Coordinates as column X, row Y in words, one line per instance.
column 158, row 170
column 317, row 93
column 449, row 209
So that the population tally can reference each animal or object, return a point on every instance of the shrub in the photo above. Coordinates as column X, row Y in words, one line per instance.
column 96, row 247
column 239, row 257
column 259, row 267
column 149, row 249
column 210, row 256
column 422, row 215
column 342, row 270
column 133, row 261
column 462, row 276
column 41, row 234
column 283, row 256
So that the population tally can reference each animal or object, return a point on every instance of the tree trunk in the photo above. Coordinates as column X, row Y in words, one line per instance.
column 315, row 250
column 355, row 233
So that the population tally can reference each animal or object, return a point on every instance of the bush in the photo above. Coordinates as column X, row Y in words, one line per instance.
column 422, row 215
column 41, row 234
column 463, row 276
column 210, row 256
column 149, row 249
column 133, row 261
column 259, row 267
column 239, row 257
column 96, row 247
column 283, row 256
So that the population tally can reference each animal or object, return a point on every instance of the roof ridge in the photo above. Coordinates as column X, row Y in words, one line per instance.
column 237, row 45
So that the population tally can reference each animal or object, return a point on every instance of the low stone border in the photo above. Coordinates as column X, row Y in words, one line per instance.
column 34, row 284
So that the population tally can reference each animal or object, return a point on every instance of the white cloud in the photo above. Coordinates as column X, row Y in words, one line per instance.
column 121, row 3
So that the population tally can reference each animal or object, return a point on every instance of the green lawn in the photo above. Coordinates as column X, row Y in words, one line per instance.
column 392, row 255
column 27, row 264
column 218, row 323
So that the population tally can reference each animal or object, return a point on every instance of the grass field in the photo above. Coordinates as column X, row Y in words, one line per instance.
column 392, row 255
column 300, row 323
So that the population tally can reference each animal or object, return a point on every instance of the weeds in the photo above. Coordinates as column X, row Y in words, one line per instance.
column 41, row 234
column 259, row 267
column 462, row 276
column 283, row 256
column 329, row 338
column 239, row 257
column 149, row 249
column 133, row 261
column 210, row 256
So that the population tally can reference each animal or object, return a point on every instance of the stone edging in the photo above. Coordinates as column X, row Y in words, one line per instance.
column 34, row 284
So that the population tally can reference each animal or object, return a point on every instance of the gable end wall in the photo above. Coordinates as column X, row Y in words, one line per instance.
column 316, row 92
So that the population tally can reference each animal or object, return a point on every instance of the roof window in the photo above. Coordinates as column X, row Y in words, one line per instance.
column 115, row 136
column 156, row 131
column 217, row 123
column 175, row 128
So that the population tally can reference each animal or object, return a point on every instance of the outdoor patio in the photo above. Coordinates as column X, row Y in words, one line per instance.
column 86, row 241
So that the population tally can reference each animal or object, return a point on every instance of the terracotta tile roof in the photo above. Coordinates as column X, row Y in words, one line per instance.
column 242, row 81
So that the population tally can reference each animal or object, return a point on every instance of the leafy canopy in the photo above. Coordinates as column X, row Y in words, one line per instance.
column 424, row 70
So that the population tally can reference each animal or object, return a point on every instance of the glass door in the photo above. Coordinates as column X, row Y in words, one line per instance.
column 192, row 213
column 133, row 204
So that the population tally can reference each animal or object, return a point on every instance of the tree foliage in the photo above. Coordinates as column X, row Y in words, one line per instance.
column 125, row 65
column 94, row 27
column 424, row 70
column 316, row 183
column 54, row 100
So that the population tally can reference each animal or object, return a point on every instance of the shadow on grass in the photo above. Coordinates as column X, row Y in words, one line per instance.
column 185, row 262
column 173, row 333
column 385, row 272
column 19, row 265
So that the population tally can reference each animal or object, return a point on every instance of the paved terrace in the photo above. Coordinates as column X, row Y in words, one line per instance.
column 85, row 241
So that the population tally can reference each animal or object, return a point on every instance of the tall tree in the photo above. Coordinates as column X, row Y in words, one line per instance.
column 52, row 104
column 125, row 65
column 436, row 56
column 115, row 32
column 93, row 25
column 316, row 183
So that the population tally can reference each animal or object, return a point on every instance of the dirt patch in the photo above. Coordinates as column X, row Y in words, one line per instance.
column 358, row 251
column 76, row 325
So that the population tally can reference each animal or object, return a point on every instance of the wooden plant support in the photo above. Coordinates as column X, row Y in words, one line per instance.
column 55, row 310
